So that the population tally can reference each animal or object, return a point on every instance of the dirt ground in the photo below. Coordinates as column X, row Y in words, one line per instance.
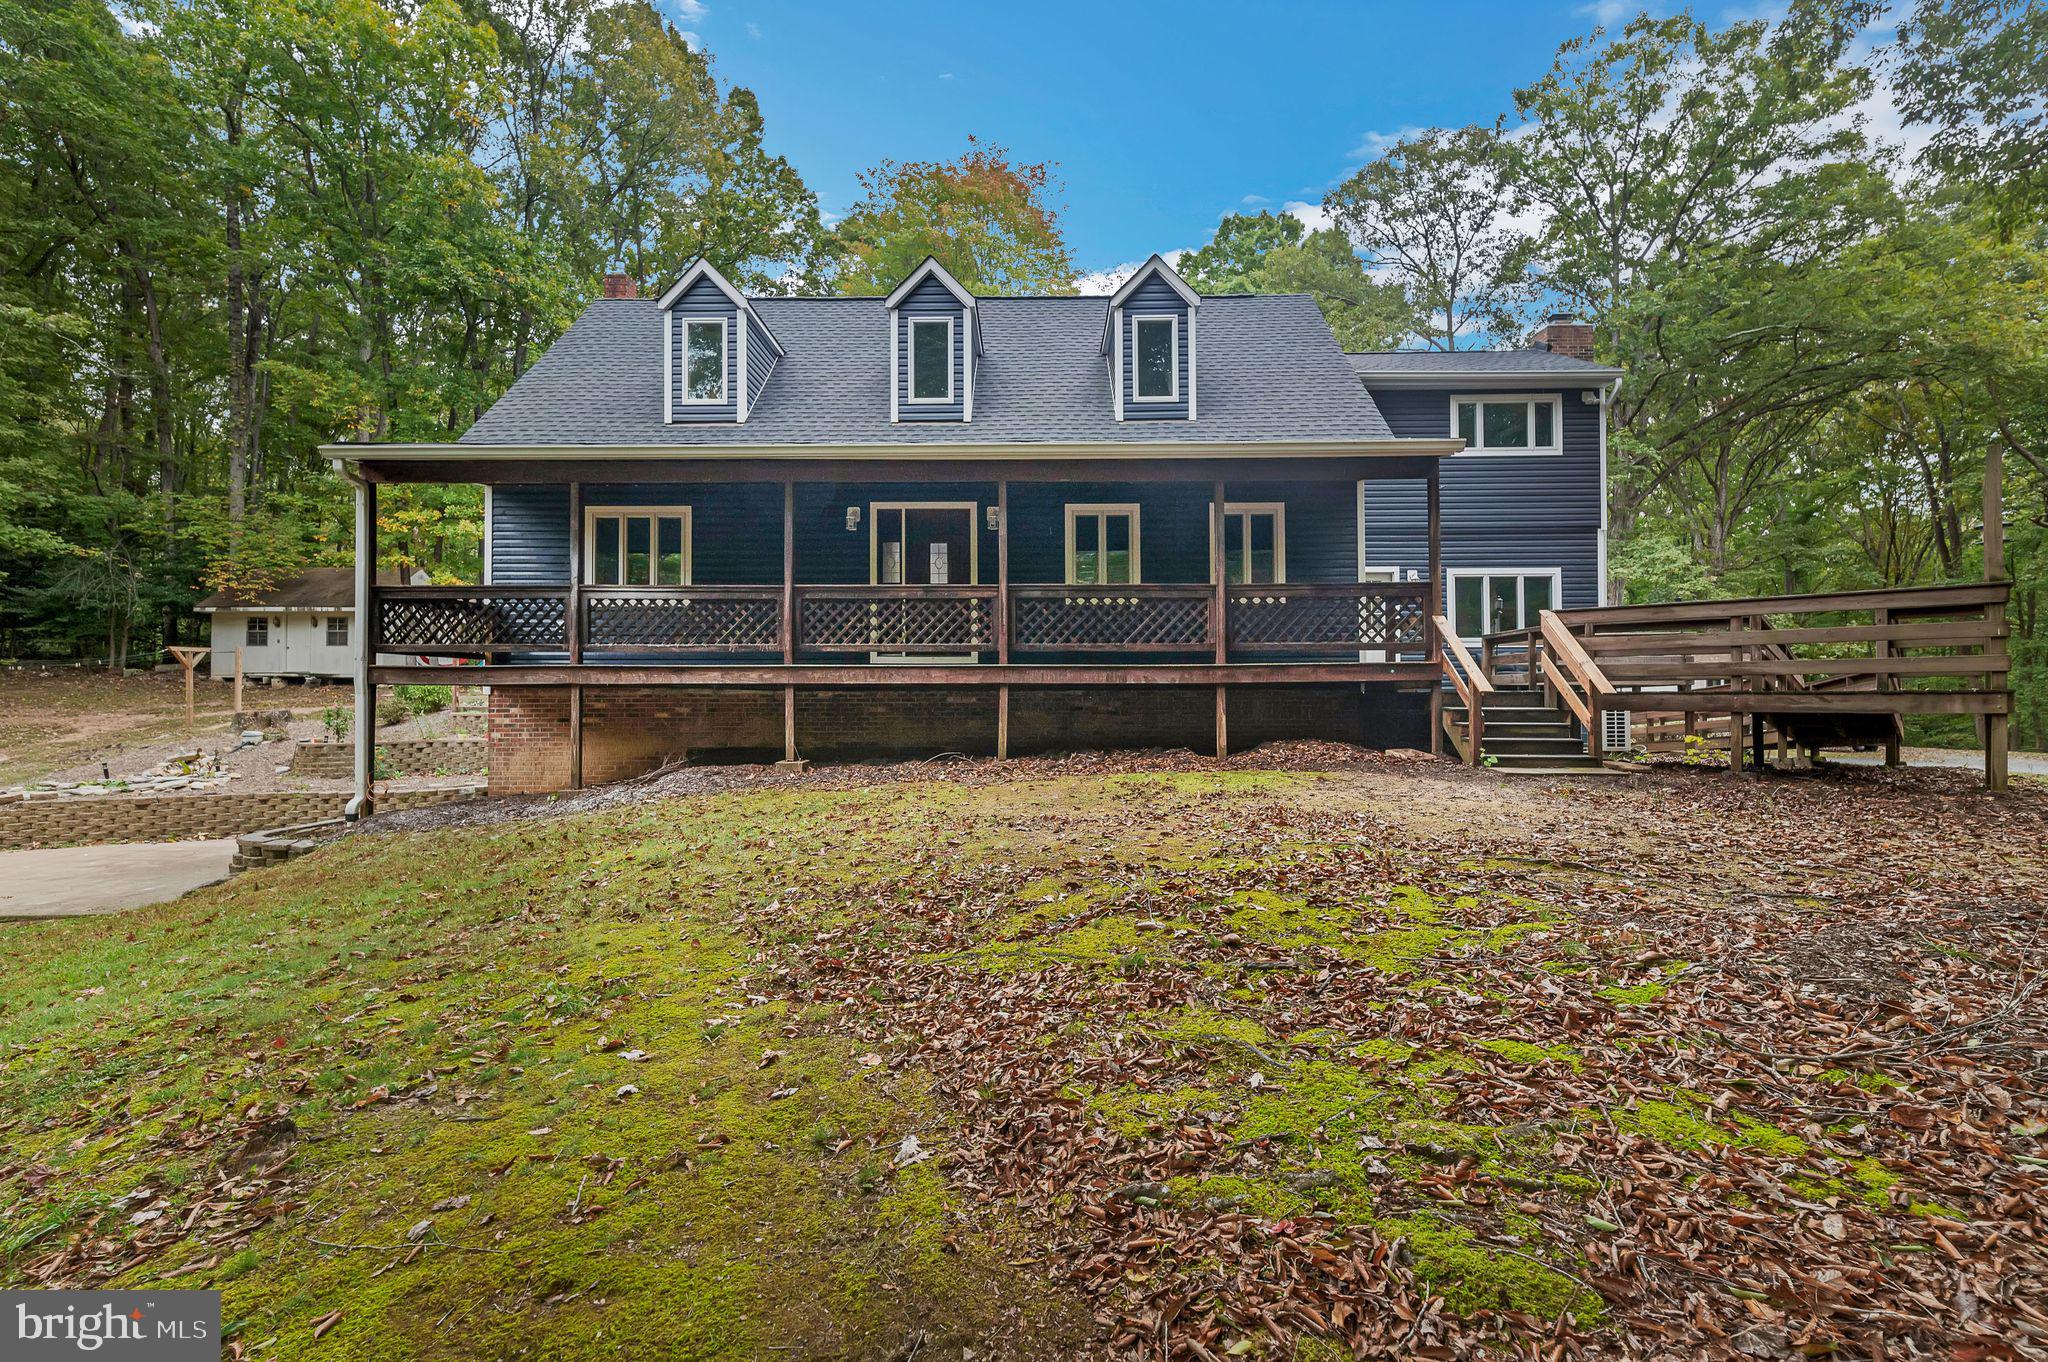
column 70, row 724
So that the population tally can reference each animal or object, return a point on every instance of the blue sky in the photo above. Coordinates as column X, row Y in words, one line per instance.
column 1161, row 117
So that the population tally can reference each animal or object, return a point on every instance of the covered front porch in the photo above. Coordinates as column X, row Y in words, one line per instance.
column 849, row 573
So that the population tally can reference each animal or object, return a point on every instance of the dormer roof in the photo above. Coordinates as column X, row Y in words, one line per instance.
column 1156, row 265
column 700, row 268
column 930, row 269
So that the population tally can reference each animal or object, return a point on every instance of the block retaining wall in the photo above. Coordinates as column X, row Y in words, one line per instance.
column 406, row 756
column 175, row 817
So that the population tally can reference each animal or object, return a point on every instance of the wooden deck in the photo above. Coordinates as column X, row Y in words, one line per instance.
column 1815, row 670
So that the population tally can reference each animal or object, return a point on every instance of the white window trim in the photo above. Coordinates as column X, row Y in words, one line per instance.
column 1553, row 400
column 1452, row 576
column 1077, row 509
column 1278, row 510
column 910, row 351
column 724, row 362
column 1138, row 319
column 592, row 514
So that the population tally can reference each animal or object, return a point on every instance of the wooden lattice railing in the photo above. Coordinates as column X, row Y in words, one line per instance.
column 927, row 620
column 934, row 621
column 1122, row 619
column 456, row 621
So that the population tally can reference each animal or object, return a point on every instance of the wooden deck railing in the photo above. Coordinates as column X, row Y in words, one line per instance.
column 1909, row 650
column 927, row 621
column 1471, row 683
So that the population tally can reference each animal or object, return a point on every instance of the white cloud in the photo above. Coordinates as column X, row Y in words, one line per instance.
column 1375, row 144
column 753, row 30
column 945, row 75
column 1606, row 13
column 1254, row 200
column 690, row 40
column 691, row 11
column 1102, row 283
column 1313, row 216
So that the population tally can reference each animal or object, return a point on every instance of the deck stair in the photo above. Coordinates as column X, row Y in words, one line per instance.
column 1524, row 734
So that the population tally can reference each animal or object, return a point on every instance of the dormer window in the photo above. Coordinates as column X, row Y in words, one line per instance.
column 704, row 360
column 1156, row 348
column 931, row 360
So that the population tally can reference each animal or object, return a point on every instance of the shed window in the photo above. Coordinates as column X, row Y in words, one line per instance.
column 931, row 360
column 1155, row 345
column 704, row 360
column 1491, row 602
column 637, row 546
column 1507, row 425
column 1102, row 545
column 257, row 634
column 337, row 631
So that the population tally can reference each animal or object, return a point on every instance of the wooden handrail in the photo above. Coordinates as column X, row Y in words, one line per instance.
column 1472, row 685
column 1925, row 599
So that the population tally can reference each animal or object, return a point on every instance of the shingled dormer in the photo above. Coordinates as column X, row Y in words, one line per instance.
column 1149, row 341
column 716, row 351
column 934, row 339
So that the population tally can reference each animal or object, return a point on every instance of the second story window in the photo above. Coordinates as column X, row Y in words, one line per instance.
column 704, row 360
column 1155, row 345
column 1507, row 425
column 931, row 360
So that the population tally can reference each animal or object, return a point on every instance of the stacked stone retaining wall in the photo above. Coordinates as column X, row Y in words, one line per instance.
column 176, row 817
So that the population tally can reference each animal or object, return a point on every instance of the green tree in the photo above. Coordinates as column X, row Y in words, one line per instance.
column 1975, row 73
column 1428, row 214
column 991, row 221
column 1232, row 260
column 1275, row 253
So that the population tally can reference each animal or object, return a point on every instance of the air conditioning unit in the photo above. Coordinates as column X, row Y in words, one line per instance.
column 1614, row 730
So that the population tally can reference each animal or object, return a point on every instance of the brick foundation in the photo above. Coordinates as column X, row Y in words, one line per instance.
column 628, row 731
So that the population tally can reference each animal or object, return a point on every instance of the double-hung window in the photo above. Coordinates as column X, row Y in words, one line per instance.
column 1488, row 601
column 1254, row 543
column 1155, row 354
column 1508, row 424
column 636, row 546
column 257, row 634
column 704, row 360
column 931, row 359
column 1102, row 545
column 337, row 631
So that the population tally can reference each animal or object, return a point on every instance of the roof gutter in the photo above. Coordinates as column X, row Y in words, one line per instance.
column 345, row 455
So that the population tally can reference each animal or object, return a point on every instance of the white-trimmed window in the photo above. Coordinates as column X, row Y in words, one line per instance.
column 1155, row 358
column 704, row 360
column 1254, row 543
column 1102, row 545
column 931, row 359
column 1509, row 423
column 337, row 631
column 1490, row 600
column 636, row 546
column 257, row 633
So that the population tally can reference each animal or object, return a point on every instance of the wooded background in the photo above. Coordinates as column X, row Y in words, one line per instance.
column 232, row 230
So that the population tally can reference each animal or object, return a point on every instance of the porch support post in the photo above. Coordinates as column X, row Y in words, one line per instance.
column 367, row 634
column 1222, row 722
column 1218, row 604
column 1003, row 592
column 1435, row 607
column 575, row 603
column 789, row 756
column 1002, row 723
column 575, row 737
column 1997, row 727
column 789, row 586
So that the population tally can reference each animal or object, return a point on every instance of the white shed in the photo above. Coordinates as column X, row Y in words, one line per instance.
column 305, row 626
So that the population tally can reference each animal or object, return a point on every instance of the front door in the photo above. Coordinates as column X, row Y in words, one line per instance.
column 922, row 543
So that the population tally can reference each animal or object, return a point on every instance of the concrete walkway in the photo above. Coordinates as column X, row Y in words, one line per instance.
column 79, row 881
column 2018, row 763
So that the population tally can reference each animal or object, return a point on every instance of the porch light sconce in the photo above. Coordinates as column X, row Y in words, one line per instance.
column 991, row 518
column 852, row 519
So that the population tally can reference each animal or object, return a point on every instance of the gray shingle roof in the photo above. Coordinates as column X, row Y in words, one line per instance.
column 1269, row 370
column 1398, row 363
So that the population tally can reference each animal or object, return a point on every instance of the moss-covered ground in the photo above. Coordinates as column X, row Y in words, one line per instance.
column 879, row 1072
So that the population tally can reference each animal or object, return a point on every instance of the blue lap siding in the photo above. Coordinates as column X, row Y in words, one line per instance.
column 1155, row 298
column 1531, row 511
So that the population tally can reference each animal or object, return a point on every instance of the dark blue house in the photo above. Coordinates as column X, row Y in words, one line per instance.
column 719, row 524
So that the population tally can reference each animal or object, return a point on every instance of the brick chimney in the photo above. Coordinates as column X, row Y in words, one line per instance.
column 620, row 286
column 1565, row 334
